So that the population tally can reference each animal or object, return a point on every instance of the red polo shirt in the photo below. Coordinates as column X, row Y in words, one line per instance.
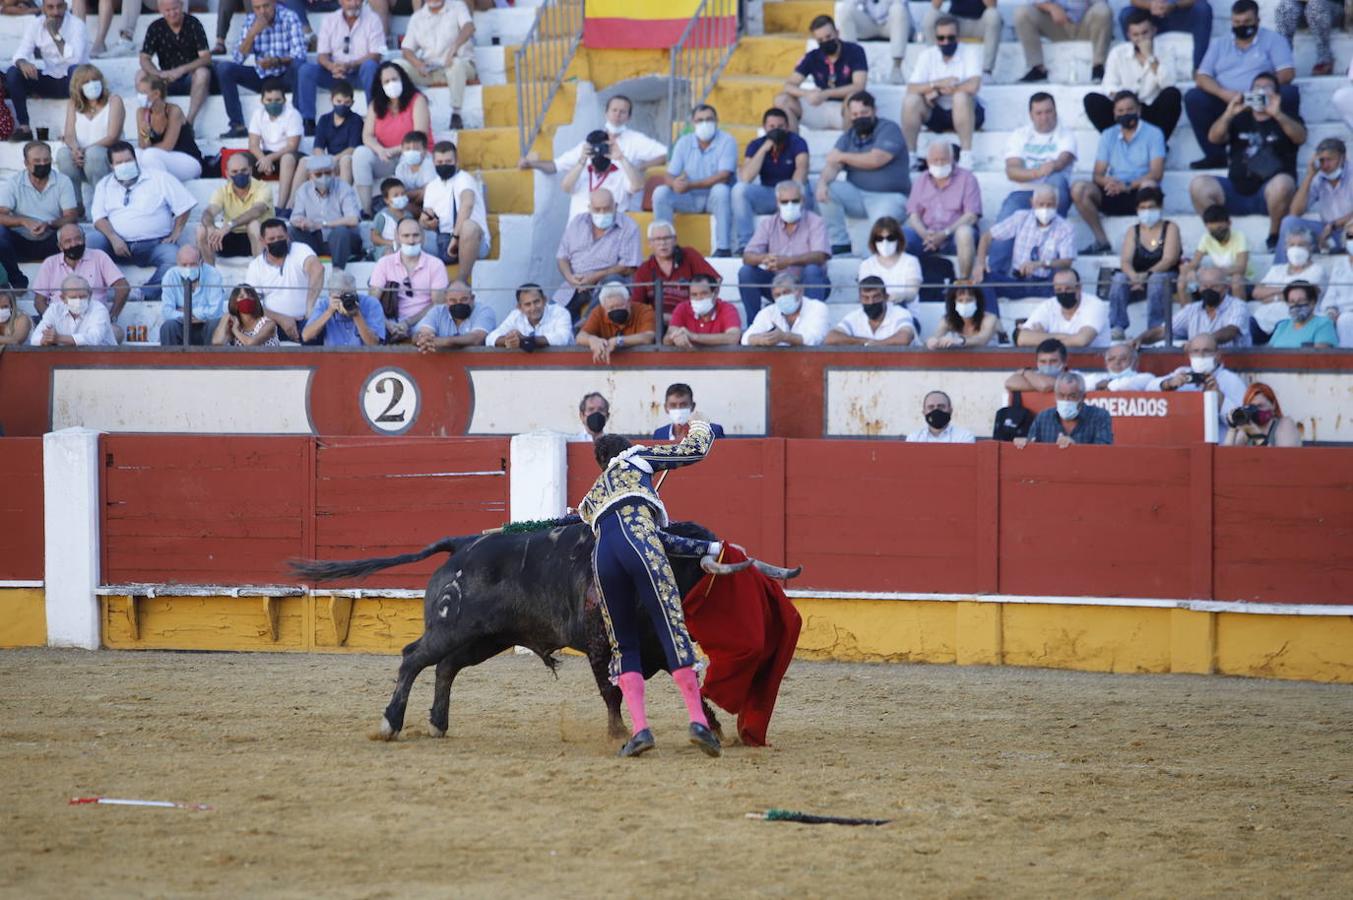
column 720, row 319
column 676, row 286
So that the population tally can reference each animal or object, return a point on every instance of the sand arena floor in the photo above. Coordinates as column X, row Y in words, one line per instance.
column 1001, row 782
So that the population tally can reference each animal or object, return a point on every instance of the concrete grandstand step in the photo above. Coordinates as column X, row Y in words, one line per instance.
column 498, row 148
column 766, row 55
column 500, row 107
column 795, row 15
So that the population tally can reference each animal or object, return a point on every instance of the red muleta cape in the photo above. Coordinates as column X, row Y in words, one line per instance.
column 749, row 629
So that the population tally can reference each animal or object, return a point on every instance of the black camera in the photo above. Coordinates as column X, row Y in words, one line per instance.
column 1197, row 378
column 528, row 343
column 349, row 301
column 1243, row 415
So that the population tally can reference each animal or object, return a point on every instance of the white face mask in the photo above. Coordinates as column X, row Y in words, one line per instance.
column 1202, row 364
column 1298, row 256
column 941, row 172
column 143, row 100
column 412, row 251
column 787, row 304
column 92, row 90
column 603, row 220
column 77, row 305
column 703, row 306
column 393, row 89
column 1044, row 214
column 399, row 202
column 967, row 309
column 612, row 128
column 679, row 416
column 1126, row 373
column 1068, row 409
column 6, row 314
column 1149, row 216
column 705, row 130
column 411, row 157
column 126, row 171
column 791, row 212
column 887, row 248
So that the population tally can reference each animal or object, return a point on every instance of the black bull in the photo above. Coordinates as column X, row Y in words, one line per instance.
column 496, row 591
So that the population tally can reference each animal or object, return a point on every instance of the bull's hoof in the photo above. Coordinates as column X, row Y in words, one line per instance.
column 616, row 731
column 386, row 731
column 434, row 731
column 703, row 738
column 640, row 743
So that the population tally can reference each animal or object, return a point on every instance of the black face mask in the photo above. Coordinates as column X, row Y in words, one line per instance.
column 1067, row 299
column 341, row 110
column 864, row 126
column 41, row 171
column 619, row 316
column 1127, row 120
column 1245, row 32
column 937, row 418
column 596, row 422
column 461, row 310
column 830, row 47
column 279, row 248
column 777, row 135
column 873, row 310
column 1210, row 298
column 950, row 48
column 74, row 251
column 445, row 172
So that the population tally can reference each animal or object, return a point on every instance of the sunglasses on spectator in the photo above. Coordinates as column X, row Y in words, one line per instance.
column 347, row 43
column 946, row 38
column 887, row 237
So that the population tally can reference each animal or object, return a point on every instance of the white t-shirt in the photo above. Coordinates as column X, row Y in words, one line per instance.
column 856, row 324
column 443, row 198
column 811, row 325
column 1137, row 381
column 283, row 289
column 1092, row 311
column 1340, row 293
column 637, row 147
column 903, row 280
column 933, row 66
column 274, row 133
column 1034, row 149
column 952, row 434
column 615, row 182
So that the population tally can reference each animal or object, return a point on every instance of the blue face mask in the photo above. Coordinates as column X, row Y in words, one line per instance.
column 190, row 273
column 787, row 304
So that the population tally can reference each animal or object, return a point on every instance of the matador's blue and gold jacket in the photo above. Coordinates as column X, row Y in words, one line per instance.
column 630, row 474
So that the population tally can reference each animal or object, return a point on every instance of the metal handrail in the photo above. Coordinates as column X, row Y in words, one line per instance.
column 541, row 62
column 699, row 57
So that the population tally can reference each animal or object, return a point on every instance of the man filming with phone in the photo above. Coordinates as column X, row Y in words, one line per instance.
column 1205, row 372
column 349, row 319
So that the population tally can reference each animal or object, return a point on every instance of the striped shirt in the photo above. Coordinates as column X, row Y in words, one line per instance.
column 1093, row 426
column 1193, row 320
column 1032, row 241
column 617, row 246
column 284, row 38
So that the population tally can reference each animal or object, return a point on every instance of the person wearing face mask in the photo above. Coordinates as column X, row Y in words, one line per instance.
column 231, row 223
column 838, row 69
column 942, row 90
column 777, row 155
column 679, row 404
column 59, row 43
column 594, row 411
column 34, row 204
column 1222, row 247
column 1303, row 328
column 1261, row 179
column 1149, row 264
column 94, row 120
column 385, row 222
column 699, row 177
column 438, row 49
column 15, row 326
column 339, row 132
column 615, row 323
column 1259, row 421
column 1215, row 312
column 873, row 154
column 74, row 320
column 351, row 44
column 876, row 322
column 793, row 240
column 415, row 169
column 275, row 140
column 1049, row 362
column 324, row 214
column 275, row 37
column 1206, row 372
column 1120, row 370
column 1229, row 69
column 194, row 280
column 459, row 322
column 672, row 265
column 139, row 216
column 792, row 320
column 938, row 411
column 394, row 109
column 966, row 322
column 595, row 244
column 1300, row 267
column 1136, row 66
column 288, row 277
column 246, row 323
column 349, row 319
column 1323, row 203
column 454, row 209
column 1071, row 420
column 1063, row 20
column 639, row 149
column 412, row 281
column 976, row 19
column 888, row 260
column 602, row 167
column 1131, row 156
column 533, row 324
column 1018, row 255
column 1075, row 317
column 875, row 19
column 943, row 210
column 164, row 134
column 108, row 286
column 703, row 320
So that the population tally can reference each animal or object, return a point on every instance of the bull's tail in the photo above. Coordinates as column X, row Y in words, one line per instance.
column 328, row 570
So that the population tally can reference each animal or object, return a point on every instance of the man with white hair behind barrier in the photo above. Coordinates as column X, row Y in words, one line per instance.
column 1120, row 370
column 791, row 321
column 1071, row 420
column 615, row 322
column 74, row 321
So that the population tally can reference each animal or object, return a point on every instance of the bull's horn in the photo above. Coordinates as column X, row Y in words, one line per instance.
column 776, row 572
column 714, row 567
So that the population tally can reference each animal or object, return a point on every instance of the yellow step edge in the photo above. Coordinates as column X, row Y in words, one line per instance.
column 501, row 109
column 692, row 230
column 509, row 190
column 497, row 148
column 795, row 15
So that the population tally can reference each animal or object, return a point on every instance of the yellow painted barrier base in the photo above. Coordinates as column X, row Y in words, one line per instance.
column 23, row 617
column 1089, row 638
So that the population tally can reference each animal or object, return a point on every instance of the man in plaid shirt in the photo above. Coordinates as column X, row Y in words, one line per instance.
column 274, row 36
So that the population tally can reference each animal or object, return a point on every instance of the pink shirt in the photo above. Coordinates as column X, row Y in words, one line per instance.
column 95, row 266
column 390, row 130
column 939, row 208
column 366, row 36
column 415, row 289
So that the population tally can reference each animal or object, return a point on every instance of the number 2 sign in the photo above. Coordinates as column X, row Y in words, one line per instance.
column 390, row 401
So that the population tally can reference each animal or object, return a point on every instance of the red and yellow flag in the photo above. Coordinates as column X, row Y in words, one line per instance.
column 636, row 24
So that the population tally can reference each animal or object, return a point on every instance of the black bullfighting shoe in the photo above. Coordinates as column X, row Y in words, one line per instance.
column 641, row 742
column 703, row 738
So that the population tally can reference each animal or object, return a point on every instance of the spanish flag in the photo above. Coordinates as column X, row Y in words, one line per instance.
column 639, row 24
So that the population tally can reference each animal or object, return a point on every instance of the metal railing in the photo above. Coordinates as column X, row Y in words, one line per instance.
column 699, row 57
column 541, row 62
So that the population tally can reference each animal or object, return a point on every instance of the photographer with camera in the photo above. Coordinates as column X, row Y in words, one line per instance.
column 1260, row 422
column 602, row 164
column 1205, row 372
column 349, row 319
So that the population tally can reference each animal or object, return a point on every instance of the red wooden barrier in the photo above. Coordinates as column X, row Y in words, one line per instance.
column 21, row 516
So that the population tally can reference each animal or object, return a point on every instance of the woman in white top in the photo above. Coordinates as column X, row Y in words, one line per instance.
column 94, row 119
column 966, row 322
column 900, row 271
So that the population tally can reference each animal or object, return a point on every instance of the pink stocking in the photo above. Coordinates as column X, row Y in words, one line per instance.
column 632, row 688
column 689, row 686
